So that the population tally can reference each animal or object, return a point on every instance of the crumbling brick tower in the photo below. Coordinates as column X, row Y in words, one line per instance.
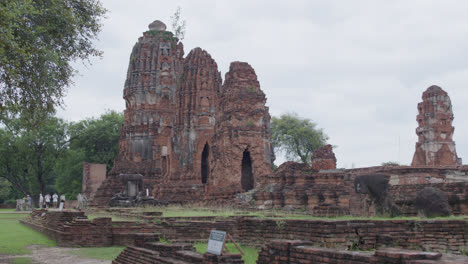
column 188, row 135
column 435, row 145
column 241, row 146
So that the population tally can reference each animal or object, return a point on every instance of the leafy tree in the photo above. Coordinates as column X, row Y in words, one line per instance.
column 27, row 157
column 38, row 41
column 5, row 188
column 297, row 137
column 178, row 26
column 91, row 140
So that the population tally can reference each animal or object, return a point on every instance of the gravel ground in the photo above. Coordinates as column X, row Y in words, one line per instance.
column 53, row 255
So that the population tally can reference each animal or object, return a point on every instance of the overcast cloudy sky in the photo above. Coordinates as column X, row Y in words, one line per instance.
column 356, row 68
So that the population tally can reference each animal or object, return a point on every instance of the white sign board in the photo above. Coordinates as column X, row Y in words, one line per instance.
column 216, row 242
column 61, row 206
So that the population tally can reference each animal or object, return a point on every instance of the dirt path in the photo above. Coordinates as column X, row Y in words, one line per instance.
column 53, row 255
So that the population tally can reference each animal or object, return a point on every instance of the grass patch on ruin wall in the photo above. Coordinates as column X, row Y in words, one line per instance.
column 104, row 253
column 195, row 211
column 15, row 236
column 22, row 260
column 250, row 253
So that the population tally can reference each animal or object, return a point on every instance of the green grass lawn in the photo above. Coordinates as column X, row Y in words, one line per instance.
column 250, row 254
column 16, row 236
column 6, row 210
column 105, row 253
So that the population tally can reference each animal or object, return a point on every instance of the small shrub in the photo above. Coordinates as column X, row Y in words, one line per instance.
column 250, row 123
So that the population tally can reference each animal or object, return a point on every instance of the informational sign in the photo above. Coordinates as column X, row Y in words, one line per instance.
column 61, row 206
column 216, row 242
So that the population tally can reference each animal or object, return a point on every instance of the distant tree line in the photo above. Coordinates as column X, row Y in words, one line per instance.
column 49, row 158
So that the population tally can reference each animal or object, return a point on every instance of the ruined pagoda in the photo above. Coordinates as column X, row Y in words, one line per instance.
column 435, row 146
column 190, row 135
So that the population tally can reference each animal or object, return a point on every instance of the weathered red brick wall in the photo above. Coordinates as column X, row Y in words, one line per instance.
column 330, row 193
column 296, row 251
column 323, row 158
column 93, row 176
column 70, row 228
column 441, row 235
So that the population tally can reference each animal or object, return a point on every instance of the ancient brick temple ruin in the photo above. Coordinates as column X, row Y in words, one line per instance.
column 435, row 145
column 189, row 134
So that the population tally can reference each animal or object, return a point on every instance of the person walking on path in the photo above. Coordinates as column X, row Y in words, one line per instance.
column 47, row 200
column 55, row 199
column 41, row 201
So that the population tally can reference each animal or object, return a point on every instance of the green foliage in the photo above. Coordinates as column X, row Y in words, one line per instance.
column 5, row 189
column 164, row 35
column 91, row 140
column 178, row 25
column 16, row 236
column 69, row 171
column 390, row 163
column 39, row 39
column 250, row 123
column 98, row 138
column 250, row 89
column 105, row 253
column 250, row 253
column 297, row 137
column 28, row 156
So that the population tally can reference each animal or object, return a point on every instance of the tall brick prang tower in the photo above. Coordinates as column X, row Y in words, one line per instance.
column 189, row 135
column 435, row 145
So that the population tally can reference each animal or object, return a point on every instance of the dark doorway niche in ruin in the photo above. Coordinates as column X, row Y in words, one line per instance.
column 204, row 163
column 247, row 180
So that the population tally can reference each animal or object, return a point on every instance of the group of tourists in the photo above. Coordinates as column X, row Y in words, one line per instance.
column 51, row 201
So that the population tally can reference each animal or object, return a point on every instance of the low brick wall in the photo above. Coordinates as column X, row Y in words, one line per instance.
column 179, row 253
column 73, row 229
column 296, row 251
column 431, row 235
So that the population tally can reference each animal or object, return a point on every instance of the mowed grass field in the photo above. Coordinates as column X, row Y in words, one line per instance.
column 14, row 237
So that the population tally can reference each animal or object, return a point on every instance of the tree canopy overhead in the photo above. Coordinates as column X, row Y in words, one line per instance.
column 297, row 137
column 38, row 41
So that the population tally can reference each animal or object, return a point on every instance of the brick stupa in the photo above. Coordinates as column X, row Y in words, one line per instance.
column 435, row 146
column 190, row 136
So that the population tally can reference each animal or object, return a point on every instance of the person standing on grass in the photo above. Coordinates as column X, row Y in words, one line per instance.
column 47, row 200
column 28, row 203
column 62, row 199
column 55, row 199
column 41, row 201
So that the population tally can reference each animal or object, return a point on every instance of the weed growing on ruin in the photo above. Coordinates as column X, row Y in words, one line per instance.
column 164, row 240
column 22, row 260
column 250, row 123
column 280, row 224
column 164, row 35
column 250, row 89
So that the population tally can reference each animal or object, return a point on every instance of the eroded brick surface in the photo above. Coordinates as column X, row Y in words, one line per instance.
column 435, row 145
